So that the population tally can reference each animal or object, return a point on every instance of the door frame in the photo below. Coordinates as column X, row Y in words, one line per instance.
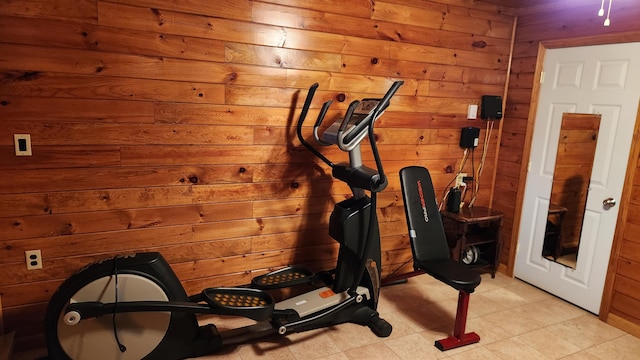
column 526, row 156
column 616, row 247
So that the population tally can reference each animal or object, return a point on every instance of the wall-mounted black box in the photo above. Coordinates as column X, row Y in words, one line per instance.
column 469, row 137
column 491, row 108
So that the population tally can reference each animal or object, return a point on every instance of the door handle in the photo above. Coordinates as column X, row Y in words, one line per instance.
column 608, row 203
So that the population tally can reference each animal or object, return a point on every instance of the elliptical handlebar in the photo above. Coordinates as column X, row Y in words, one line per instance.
column 303, row 116
column 316, row 126
column 381, row 183
column 345, row 121
column 377, row 111
column 357, row 123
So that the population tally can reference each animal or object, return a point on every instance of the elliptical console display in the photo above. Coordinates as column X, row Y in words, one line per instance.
column 363, row 111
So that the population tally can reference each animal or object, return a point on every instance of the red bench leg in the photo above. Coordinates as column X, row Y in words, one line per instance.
column 459, row 338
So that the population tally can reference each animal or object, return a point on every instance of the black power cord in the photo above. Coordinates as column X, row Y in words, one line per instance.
column 115, row 307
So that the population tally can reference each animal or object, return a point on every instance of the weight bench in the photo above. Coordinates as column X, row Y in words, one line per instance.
column 431, row 250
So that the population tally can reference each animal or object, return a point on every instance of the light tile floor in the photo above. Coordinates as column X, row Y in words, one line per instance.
column 514, row 320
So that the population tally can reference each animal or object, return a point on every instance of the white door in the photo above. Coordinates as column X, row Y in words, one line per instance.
column 603, row 79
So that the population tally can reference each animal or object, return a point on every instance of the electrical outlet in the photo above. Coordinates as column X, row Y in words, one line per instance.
column 460, row 179
column 34, row 259
column 22, row 144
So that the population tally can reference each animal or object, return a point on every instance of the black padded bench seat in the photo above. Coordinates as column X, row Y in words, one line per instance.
column 431, row 251
column 453, row 273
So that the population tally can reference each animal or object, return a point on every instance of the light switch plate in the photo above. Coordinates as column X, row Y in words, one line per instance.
column 472, row 112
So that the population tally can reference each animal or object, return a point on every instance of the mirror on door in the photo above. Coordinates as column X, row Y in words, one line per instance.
column 572, row 172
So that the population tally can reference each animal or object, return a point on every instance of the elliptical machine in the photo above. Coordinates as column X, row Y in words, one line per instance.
column 133, row 307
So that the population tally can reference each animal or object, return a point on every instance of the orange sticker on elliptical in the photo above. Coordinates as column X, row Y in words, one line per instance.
column 327, row 293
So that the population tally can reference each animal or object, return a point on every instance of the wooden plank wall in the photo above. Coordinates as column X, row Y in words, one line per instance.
column 549, row 24
column 168, row 126
column 621, row 304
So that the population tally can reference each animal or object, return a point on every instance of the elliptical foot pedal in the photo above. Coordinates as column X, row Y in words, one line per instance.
column 289, row 276
column 251, row 303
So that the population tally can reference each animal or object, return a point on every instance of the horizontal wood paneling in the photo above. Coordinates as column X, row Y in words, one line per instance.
column 68, row 10
column 169, row 126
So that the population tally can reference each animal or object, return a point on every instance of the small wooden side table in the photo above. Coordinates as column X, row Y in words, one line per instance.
column 553, row 233
column 474, row 237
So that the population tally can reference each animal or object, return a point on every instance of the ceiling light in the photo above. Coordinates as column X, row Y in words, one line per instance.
column 607, row 21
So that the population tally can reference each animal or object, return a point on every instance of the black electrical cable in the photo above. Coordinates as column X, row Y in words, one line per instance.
column 367, row 245
column 445, row 192
column 115, row 306
column 398, row 268
column 473, row 171
column 372, row 215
